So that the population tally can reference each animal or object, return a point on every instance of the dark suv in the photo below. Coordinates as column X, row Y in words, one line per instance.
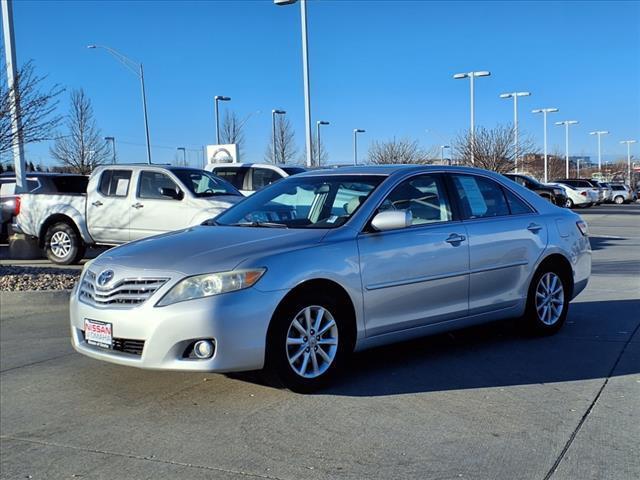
column 553, row 194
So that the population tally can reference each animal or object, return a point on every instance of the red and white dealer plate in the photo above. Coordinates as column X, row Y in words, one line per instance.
column 99, row 334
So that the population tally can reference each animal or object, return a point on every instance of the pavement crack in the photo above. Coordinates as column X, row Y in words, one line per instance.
column 140, row 457
column 582, row 421
column 36, row 363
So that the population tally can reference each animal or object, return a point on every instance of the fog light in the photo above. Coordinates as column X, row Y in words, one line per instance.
column 203, row 349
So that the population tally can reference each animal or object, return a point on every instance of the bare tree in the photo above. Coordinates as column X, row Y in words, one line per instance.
column 37, row 106
column 232, row 130
column 285, row 142
column 324, row 156
column 492, row 149
column 83, row 147
column 395, row 151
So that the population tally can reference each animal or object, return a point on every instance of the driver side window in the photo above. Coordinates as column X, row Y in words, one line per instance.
column 424, row 196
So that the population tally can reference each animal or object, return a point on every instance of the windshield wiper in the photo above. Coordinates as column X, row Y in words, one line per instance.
column 258, row 224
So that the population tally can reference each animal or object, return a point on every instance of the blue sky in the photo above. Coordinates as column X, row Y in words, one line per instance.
column 384, row 66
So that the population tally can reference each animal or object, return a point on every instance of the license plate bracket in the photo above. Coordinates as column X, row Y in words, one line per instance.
column 98, row 334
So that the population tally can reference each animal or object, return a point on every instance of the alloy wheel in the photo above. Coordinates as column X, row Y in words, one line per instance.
column 312, row 341
column 549, row 298
column 60, row 244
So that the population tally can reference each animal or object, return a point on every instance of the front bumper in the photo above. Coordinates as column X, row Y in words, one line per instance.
column 237, row 321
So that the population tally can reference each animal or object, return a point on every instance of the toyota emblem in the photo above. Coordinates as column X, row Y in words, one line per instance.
column 105, row 277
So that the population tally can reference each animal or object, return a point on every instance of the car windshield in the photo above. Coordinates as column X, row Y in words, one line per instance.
column 303, row 202
column 204, row 184
column 293, row 170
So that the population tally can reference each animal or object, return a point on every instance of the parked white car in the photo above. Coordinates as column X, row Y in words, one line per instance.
column 122, row 203
column 621, row 193
column 251, row 177
column 577, row 198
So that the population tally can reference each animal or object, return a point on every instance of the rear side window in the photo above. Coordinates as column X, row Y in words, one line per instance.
column 115, row 183
column 235, row 176
column 70, row 184
column 516, row 206
column 480, row 197
column 261, row 177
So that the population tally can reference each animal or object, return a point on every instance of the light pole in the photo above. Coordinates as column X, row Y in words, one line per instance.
column 629, row 142
column 216, row 99
column 356, row 131
column 599, row 133
column 137, row 69
column 113, row 147
column 442, row 147
column 305, row 71
column 273, row 131
column 566, row 124
column 544, row 112
column 471, row 76
column 184, row 155
column 515, row 96
column 318, row 123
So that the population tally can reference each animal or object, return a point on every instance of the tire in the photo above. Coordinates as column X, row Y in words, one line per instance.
column 619, row 200
column 569, row 203
column 546, row 321
column 288, row 345
column 63, row 245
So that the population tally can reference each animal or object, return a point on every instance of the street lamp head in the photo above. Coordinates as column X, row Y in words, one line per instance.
column 523, row 94
column 482, row 73
column 460, row 75
column 180, row 148
column 222, row 98
column 108, row 139
column 506, row 95
column 599, row 132
column 544, row 110
column 278, row 112
column 358, row 130
column 92, row 46
column 445, row 146
column 322, row 122
column 284, row 2
column 628, row 141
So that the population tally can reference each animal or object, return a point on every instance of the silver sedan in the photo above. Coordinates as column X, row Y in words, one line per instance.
column 295, row 278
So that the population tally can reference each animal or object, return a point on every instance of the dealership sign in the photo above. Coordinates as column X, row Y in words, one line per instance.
column 222, row 153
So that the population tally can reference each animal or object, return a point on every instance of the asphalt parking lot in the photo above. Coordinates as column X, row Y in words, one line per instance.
column 482, row 403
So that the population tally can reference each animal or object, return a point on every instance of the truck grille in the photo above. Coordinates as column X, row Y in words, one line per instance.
column 126, row 293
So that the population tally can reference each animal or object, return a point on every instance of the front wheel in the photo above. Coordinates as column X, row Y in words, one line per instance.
column 569, row 203
column 307, row 342
column 63, row 245
column 547, row 302
column 619, row 200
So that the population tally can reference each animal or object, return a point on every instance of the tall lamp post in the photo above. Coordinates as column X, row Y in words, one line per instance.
column 515, row 96
column 113, row 147
column 216, row 99
column 184, row 155
column 544, row 112
column 273, row 132
column 138, row 70
column 442, row 147
column 629, row 142
column 471, row 76
column 566, row 124
column 318, row 123
column 599, row 133
column 305, row 71
column 356, row 131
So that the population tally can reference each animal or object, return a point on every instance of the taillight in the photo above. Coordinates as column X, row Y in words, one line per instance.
column 16, row 207
column 583, row 193
column 582, row 226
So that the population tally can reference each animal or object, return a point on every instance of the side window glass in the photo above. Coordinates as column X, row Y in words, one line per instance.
column 424, row 196
column 232, row 175
column 151, row 185
column 517, row 206
column 261, row 177
column 115, row 183
column 480, row 197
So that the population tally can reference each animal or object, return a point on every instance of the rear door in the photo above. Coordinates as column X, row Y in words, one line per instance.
column 416, row 275
column 506, row 238
column 108, row 207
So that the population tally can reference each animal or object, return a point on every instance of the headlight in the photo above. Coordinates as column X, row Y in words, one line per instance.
column 211, row 284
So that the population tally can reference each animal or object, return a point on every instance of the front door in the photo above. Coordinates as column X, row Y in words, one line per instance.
column 416, row 275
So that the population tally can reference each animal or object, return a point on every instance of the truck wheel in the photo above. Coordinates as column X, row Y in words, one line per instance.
column 63, row 245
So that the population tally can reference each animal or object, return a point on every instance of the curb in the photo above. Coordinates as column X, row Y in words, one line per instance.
column 9, row 299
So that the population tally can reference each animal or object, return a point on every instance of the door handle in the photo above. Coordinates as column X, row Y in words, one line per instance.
column 534, row 227
column 97, row 203
column 137, row 205
column 455, row 238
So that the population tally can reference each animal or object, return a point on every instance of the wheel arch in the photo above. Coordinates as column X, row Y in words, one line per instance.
column 562, row 265
column 52, row 220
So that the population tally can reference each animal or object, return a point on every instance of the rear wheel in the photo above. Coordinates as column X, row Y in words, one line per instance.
column 619, row 200
column 307, row 342
column 547, row 302
column 569, row 203
column 63, row 245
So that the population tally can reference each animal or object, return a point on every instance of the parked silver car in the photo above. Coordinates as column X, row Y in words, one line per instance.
column 303, row 272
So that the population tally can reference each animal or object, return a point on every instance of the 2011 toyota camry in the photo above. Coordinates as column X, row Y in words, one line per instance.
column 315, row 266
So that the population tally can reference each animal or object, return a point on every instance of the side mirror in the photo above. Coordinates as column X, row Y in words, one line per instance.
column 171, row 193
column 392, row 220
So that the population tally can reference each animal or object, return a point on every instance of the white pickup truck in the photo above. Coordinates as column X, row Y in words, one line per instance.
column 122, row 203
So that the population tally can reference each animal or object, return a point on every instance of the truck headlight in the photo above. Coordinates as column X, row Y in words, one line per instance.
column 210, row 284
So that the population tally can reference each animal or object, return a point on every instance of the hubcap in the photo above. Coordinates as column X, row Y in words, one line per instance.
column 312, row 341
column 549, row 298
column 60, row 244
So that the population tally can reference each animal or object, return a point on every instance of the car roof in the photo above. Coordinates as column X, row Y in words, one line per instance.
column 240, row 165
column 388, row 170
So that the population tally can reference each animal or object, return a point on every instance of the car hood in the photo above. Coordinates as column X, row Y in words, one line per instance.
column 204, row 249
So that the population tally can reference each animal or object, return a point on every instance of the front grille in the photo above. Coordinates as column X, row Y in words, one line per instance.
column 125, row 293
column 125, row 345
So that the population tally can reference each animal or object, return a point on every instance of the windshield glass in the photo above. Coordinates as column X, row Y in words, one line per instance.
column 303, row 202
column 204, row 184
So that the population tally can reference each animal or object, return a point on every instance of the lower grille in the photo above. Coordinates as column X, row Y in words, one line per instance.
column 125, row 345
